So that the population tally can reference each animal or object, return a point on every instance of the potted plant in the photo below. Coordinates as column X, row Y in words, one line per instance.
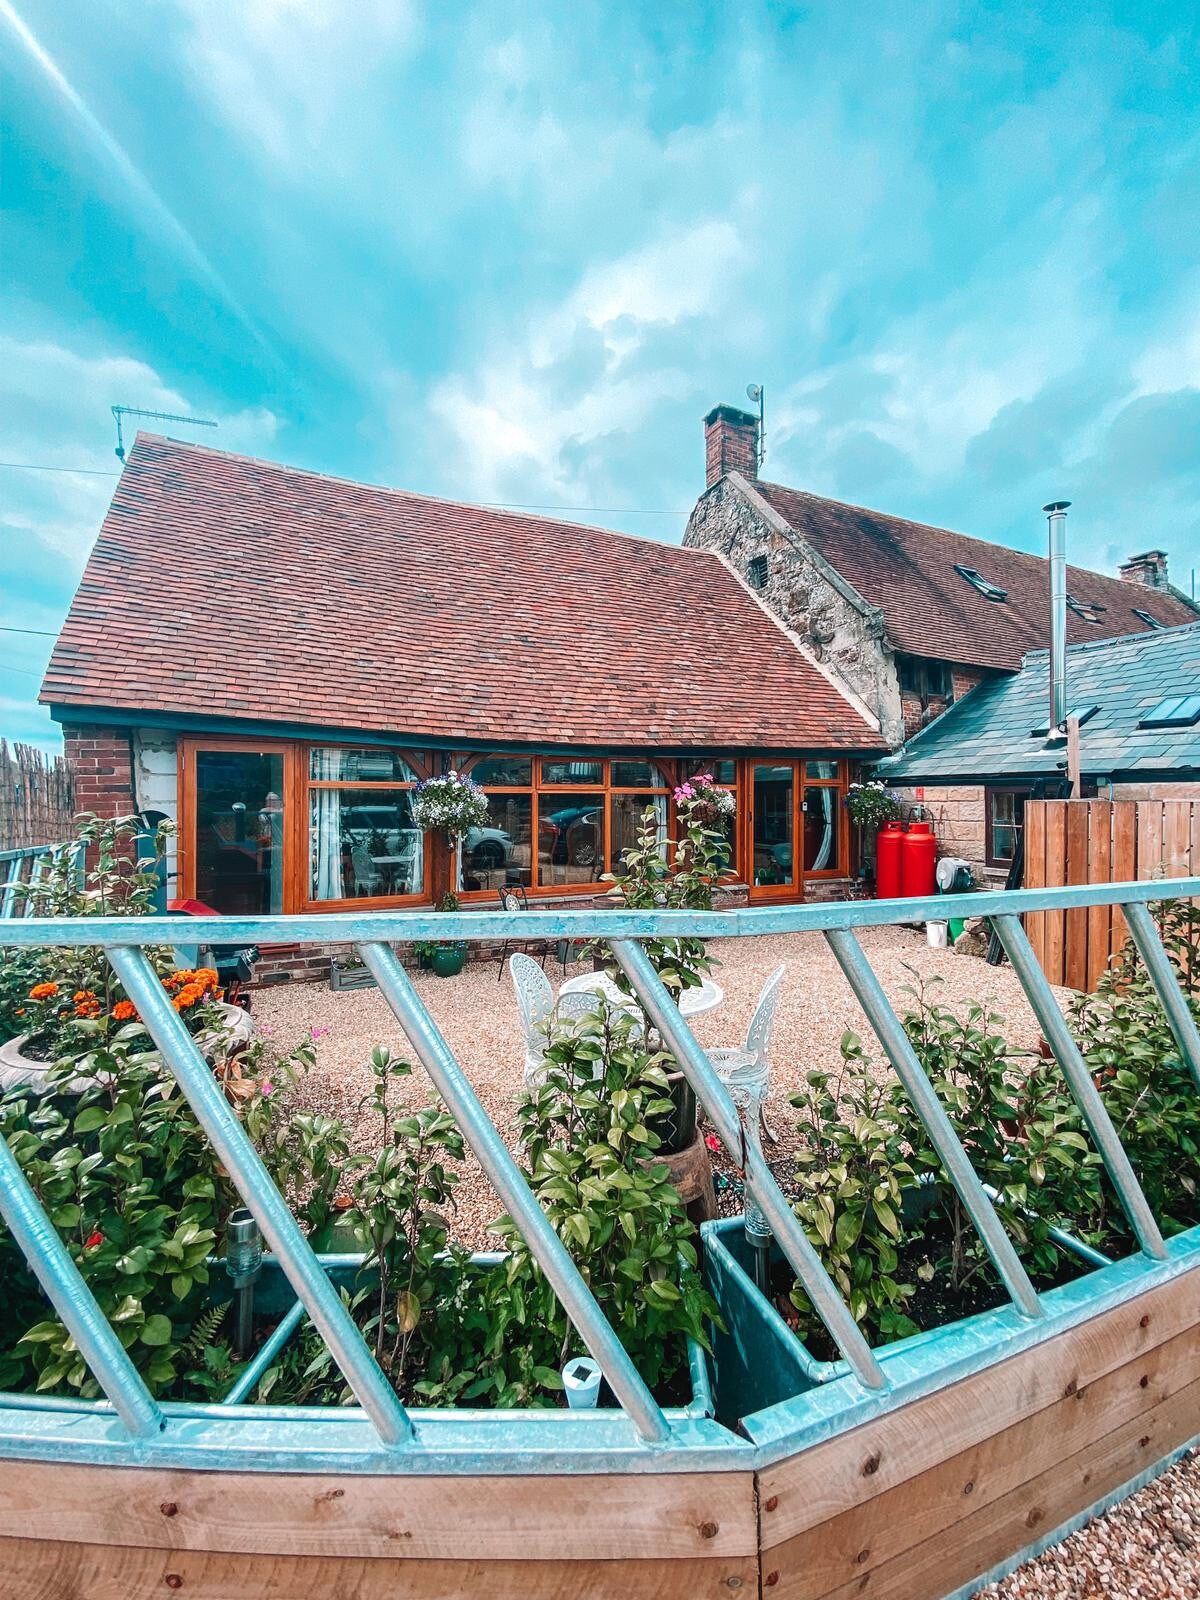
column 450, row 804
column 350, row 972
column 446, row 957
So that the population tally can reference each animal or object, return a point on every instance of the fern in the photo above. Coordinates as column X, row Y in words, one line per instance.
column 204, row 1331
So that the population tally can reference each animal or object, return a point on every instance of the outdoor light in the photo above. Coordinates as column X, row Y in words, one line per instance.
column 243, row 1260
column 758, row 1237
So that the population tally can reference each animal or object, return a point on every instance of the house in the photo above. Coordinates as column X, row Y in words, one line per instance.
column 907, row 616
column 274, row 658
column 1137, row 699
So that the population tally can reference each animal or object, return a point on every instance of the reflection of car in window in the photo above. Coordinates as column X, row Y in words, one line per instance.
column 383, row 829
column 488, row 848
column 571, row 834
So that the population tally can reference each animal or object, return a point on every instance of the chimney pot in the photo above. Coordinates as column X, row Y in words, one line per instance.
column 1148, row 569
column 730, row 444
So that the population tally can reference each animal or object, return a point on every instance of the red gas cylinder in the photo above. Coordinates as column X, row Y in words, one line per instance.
column 888, row 844
column 918, row 861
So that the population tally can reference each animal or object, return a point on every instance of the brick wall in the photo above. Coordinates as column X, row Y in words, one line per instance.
column 918, row 713
column 730, row 443
column 101, row 768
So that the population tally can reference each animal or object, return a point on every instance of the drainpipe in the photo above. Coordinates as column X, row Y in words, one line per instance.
column 1056, row 514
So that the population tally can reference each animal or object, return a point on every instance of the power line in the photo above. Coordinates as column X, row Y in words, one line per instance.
column 42, row 633
column 33, row 466
column 24, row 671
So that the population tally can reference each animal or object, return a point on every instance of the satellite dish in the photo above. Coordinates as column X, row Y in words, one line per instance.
column 754, row 392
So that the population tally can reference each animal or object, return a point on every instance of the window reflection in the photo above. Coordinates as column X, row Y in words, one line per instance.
column 773, row 807
column 627, row 812
column 364, row 844
column 820, row 829
column 570, row 839
column 239, row 831
column 501, row 852
column 573, row 772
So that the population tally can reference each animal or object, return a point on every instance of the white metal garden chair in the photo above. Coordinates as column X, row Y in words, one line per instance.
column 745, row 1070
column 535, row 1002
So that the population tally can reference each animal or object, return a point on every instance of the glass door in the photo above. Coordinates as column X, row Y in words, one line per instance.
column 774, row 832
column 238, row 812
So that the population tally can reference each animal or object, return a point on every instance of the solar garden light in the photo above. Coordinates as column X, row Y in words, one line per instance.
column 581, row 1380
column 758, row 1237
column 243, row 1262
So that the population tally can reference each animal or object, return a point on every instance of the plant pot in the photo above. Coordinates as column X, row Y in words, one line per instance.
column 17, row 1068
column 449, row 961
column 677, row 1127
column 350, row 977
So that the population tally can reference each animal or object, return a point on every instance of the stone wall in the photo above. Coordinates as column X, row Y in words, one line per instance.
column 838, row 629
column 1154, row 791
column 957, row 816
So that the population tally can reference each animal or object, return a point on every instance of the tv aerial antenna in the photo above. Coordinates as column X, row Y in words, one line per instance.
column 754, row 393
column 157, row 416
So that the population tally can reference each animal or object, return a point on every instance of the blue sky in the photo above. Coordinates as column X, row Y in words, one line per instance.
column 513, row 252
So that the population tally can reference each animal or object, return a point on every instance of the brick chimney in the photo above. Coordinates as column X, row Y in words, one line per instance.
column 1149, row 569
column 730, row 444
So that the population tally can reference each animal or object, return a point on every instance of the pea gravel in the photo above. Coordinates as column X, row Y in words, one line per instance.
column 1147, row 1548
column 478, row 1016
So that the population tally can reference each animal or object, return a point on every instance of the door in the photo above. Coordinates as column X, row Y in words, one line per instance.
column 773, row 864
column 233, row 828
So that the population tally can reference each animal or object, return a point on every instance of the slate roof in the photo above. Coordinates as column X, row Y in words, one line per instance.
column 222, row 587
column 906, row 569
column 988, row 734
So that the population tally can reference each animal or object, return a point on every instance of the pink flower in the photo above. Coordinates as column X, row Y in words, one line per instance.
column 703, row 780
column 713, row 1143
column 319, row 1033
column 266, row 1087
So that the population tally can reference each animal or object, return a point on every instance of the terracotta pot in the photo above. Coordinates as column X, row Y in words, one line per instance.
column 18, row 1068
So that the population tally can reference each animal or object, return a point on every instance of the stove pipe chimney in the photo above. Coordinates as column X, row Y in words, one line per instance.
column 1056, row 514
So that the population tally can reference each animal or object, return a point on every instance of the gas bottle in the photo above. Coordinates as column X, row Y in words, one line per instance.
column 888, row 844
column 918, row 861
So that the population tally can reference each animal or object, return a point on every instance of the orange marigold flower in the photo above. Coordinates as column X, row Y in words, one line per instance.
column 189, row 995
column 43, row 991
column 124, row 1011
column 81, row 995
column 179, row 1003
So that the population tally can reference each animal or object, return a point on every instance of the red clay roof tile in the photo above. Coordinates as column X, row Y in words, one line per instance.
column 222, row 584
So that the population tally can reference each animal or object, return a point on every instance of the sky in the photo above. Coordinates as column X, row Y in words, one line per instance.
column 512, row 253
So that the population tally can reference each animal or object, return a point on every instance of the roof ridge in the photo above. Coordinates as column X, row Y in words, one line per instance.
column 1118, row 639
column 403, row 494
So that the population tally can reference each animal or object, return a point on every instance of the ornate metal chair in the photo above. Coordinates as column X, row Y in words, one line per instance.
column 746, row 1070
column 535, row 1002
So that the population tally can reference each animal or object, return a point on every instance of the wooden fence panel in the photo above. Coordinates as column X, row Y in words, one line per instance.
column 1100, row 841
column 35, row 797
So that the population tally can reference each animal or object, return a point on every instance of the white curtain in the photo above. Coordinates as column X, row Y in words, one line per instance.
column 325, row 845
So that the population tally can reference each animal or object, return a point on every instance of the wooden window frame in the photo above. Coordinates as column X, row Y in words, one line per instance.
column 801, row 784
column 296, row 832
column 1020, row 791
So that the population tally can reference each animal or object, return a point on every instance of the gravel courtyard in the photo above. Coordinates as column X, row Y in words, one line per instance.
column 478, row 1016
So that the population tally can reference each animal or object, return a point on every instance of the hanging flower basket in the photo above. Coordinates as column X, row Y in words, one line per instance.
column 705, row 803
column 872, row 804
column 451, row 805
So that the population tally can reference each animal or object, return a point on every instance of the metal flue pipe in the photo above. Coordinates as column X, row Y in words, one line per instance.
column 1056, row 513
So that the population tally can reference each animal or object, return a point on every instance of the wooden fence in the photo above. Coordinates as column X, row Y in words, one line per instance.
column 35, row 797
column 1099, row 841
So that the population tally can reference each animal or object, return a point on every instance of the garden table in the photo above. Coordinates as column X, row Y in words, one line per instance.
column 693, row 1002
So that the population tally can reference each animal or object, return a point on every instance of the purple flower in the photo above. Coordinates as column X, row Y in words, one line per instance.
column 319, row 1033
column 266, row 1087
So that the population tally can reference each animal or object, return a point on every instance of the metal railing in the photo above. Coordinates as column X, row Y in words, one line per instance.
column 25, row 867
column 132, row 1423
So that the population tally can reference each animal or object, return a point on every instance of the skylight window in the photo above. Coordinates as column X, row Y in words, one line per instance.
column 1084, row 713
column 1151, row 622
column 989, row 591
column 1177, row 711
column 1087, row 609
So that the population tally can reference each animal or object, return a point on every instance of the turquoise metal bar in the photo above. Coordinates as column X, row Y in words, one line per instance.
column 1087, row 1097
column 70, row 1296
column 248, row 1380
column 382, row 926
column 245, row 1166
column 505, row 1177
column 888, row 1029
column 759, row 1180
column 1162, row 976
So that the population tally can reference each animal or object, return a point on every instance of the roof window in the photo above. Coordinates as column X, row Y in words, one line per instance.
column 1151, row 622
column 1083, row 713
column 989, row 591
column 1087, row 609
column 1177, row 711
column 757, row 572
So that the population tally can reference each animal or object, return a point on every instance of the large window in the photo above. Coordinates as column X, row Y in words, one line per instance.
column 363, row 844
column 557, row 822
column 238, row 823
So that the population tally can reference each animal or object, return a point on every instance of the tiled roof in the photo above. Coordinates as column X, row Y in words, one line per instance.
column 989, row 733
column 230, row 588
column 906, row 569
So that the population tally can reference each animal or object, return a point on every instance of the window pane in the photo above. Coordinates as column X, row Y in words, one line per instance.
column 821, row 830
column 570, row 838
column 637, row 775
column 627, row 813
column 332, row 765
column 239, row 831
column 363, row 844
column 500, row 853
column 1004, row 808
column 514, row 772
column 723, row 772
column 572, row 772
column 773, row 825
column 823, row 771
column 1004, row 841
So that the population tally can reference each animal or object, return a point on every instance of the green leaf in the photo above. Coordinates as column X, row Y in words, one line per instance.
column 157, row 1330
